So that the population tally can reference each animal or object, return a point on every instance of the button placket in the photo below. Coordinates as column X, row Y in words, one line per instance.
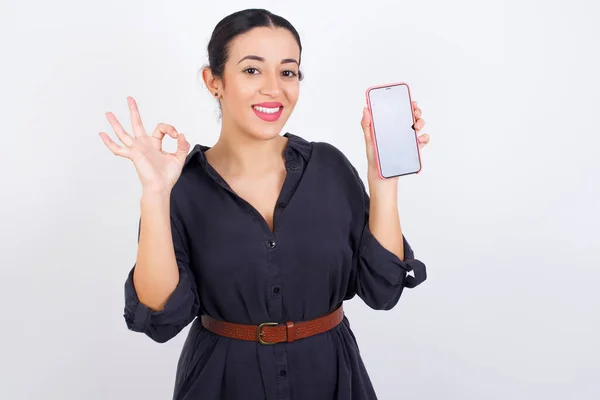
column 294, row 166
column 273, row 298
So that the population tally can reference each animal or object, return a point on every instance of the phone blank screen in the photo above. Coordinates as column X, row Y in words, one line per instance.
column 395, row 138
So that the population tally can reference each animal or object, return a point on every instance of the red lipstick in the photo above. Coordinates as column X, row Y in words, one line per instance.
column 266, row 111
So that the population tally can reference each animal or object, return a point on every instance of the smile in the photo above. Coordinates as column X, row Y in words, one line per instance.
column 269, row 112
column 266, row 110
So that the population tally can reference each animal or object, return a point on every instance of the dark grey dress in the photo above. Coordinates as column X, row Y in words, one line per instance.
column 234, row 268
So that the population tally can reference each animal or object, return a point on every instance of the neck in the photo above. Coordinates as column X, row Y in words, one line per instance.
column 237, row 153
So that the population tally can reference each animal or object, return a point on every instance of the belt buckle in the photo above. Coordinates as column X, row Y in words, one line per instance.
column 259, row 332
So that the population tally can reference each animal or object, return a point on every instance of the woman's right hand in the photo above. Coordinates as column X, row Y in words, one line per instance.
column 158, row 170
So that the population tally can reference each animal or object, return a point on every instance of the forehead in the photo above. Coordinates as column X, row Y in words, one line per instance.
column 273, row 44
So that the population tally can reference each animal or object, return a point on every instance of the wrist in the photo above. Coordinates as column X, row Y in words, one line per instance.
column 155, row 196
column 379, row 185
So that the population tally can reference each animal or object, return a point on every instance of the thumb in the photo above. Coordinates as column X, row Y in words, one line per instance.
column 365, row 123
column 183, row 147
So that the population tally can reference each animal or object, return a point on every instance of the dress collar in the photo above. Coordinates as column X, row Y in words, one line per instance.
column 301, row 145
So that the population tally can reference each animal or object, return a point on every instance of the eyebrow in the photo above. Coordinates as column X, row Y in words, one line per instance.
column 262, row 59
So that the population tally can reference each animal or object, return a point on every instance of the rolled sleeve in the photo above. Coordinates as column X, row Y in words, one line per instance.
column 382, row 275
column 180, row 309
column 182, row 306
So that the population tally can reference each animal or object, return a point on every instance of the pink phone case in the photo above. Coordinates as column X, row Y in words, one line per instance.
column 374, row 136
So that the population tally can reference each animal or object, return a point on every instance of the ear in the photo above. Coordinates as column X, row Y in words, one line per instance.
column 212, row 83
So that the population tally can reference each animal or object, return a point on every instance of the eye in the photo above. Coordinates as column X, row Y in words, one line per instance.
column 251, row 70
column 288, row 73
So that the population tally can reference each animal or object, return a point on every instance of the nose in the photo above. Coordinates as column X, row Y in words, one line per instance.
column 270, row 86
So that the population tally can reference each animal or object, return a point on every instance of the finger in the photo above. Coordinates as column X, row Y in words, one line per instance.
column 423, row 140
column 419, row 124
column 414, row 105
column 113, row 147
column 123, row 136
column 183, row 147
column 417, row 113
column 164, row 129
column 136, row 119
column 365, row 123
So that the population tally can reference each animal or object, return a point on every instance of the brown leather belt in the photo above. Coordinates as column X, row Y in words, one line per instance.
column 273, row 332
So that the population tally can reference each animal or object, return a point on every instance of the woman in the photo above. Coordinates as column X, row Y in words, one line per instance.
column 262, row 237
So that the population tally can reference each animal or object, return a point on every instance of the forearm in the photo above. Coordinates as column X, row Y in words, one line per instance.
column 384, row 221
column 156, row 274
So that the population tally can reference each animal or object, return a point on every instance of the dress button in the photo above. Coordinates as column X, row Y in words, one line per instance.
column 294, row 167
column 283, row 372
column 281, row 205
column 275, row 289
column 271, row 244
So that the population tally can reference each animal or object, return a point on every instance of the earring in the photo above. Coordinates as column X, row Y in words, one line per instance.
column 216, row 94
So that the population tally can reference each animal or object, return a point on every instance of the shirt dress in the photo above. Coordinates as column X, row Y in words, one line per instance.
column 233, row 267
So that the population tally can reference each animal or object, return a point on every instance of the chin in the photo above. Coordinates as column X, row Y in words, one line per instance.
column 266, row 130
column 265, row 133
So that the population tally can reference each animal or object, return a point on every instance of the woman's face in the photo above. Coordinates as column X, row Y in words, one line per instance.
column 260, row 83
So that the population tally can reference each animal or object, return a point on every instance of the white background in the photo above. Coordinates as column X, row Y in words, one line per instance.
column 505, row 213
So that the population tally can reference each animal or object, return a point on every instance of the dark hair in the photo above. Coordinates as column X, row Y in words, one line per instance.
column 236, row 24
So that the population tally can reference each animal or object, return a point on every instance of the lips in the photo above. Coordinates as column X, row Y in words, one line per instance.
column 268, row 111
column 269, row 104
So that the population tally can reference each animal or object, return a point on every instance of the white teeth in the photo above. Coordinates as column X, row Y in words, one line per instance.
column 266, row 110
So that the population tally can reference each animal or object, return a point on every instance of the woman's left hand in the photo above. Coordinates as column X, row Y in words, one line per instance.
column 423, row 139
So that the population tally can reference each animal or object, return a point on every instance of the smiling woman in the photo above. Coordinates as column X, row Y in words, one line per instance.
column 260, row 238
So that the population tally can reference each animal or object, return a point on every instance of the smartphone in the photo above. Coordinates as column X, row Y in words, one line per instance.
column 392, row 126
